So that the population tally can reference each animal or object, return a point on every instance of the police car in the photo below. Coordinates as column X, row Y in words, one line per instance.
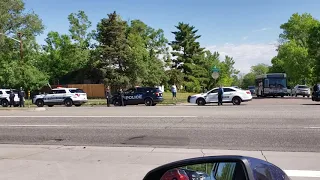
column 230, row 95
column 61, row 96
column 5, row 100
column 149, row 96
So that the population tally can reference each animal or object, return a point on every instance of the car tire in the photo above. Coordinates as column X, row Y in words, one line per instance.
column 148, row 102
column 50, row 105
column 308, row 96
column 296, row 95
column 68, row 102
column 201, row 102
column 5, row 103
column 16, row 105
column 236, row 101
column 40, row 103
column 78, row 105
column 154, row 104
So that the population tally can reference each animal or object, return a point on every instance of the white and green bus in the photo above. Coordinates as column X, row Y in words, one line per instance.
column 272, row 84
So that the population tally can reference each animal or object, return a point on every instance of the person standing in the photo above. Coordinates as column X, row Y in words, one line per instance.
column 21, row 96
column 174, row 92
column 108, row 96
column 121, row 97
column 220, row 95
column 11, row 98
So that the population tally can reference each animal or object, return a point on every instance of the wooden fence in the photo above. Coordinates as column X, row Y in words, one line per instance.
column 92, row 90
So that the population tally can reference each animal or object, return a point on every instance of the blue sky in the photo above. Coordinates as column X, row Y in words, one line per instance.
column 246, row 30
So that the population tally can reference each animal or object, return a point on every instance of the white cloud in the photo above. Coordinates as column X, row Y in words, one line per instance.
column 246, row 55
column 262, row 29
column 245, row 38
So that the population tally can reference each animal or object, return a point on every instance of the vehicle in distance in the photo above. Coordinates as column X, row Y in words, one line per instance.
column 5, row 100
column 150, row 96
column 301, row 90
column 231, row 95
column 61, row 96
column 273, row 84
column 316, row 93
column 252, row 89
column 176, row 173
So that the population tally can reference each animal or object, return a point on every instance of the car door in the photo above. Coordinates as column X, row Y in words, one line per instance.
column 59, row 96
column 228, row 94
column 212, row 96
column 49, row 98
column 128, row 96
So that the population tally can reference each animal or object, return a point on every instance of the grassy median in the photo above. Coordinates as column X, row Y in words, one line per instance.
column 167, row 96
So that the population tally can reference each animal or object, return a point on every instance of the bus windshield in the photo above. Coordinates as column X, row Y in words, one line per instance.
column 276, row 83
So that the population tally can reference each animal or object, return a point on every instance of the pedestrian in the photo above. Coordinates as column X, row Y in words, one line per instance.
column 11, row 98
column 121, row 97
column 21, row 96
column 220, row 95
column 108, row 96
column 174, row 92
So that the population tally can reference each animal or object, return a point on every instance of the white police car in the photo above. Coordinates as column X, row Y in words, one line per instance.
column 4, row 97
column 230, row 95
column 61, row 96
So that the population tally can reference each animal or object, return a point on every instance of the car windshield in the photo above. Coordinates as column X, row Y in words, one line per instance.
column 76, row 91
column 303, row 87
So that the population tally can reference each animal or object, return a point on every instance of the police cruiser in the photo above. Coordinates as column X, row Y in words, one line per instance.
column 4, row 97
column 61, row 96
column 149, row 96
column 231, row 95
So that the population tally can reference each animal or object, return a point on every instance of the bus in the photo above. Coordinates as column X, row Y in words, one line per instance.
column 273, row 84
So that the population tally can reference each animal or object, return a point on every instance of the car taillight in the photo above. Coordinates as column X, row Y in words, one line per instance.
column 183, row 177
column 248, row 92
column 157, row 94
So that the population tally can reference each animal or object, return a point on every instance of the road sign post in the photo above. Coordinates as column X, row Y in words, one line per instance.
column 215, row 73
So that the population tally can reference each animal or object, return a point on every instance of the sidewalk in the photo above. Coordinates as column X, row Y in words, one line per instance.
column 32, row 162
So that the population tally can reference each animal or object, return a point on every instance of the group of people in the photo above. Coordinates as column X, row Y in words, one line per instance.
column 21, row 95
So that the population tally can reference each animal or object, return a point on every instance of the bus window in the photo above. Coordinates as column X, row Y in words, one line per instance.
column 266, row 83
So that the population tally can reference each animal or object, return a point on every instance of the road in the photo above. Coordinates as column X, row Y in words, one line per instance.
column 293, row 125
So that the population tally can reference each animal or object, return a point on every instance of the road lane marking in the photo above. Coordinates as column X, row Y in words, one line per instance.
column 302, row 173
column 312, row 127
column 37, row 125
column 98, row 116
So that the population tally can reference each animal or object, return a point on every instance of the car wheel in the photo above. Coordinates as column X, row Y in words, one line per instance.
column 148, row 102
column 296, row 95
column 282, row 96
column 304, row 96
column 40, row 103
column 50, row 105
column 78, row 105
column 68, row 102
column 236, row 101
column 5, row 103
column 16, row 105
column 308, row 96
column 201, row 102
column 154, row 104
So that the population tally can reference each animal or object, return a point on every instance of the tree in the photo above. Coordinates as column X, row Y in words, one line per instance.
column 260, row 69
column 314, row 51
column 187, row 55
column 14, row 72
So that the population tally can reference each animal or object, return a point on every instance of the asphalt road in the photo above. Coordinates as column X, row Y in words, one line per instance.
column 270, row 124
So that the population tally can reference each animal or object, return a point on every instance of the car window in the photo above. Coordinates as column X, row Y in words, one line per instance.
column 225, row 171
column 228, row 90
column 8, row 92
column 130, row 91
column 76, row 91
column 1, row 92
column 302, row 86
column 141, row 90
column 214, row 91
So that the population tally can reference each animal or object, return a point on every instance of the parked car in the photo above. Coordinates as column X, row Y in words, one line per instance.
column 230, row 95
column 177, row 174
column 301, row 90
column 252, row 89
column 4, row 97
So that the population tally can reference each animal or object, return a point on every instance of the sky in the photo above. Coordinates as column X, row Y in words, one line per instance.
column 246, row 30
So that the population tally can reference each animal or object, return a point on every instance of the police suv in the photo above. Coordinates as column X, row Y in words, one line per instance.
column 61, row 96
column 231, row 95
column 149, row 96
column 5, row 100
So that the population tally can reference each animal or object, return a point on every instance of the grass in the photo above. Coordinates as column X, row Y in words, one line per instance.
column 167, row 96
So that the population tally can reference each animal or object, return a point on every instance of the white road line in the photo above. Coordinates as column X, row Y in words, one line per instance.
column 312, row 127
column 302, row 173
column 37, row 125
column 98, row 116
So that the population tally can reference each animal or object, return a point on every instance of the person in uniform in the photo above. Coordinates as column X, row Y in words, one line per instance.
column 108, row 95
column 21, row 97
column 220, row 95
column 11, row 98
column 121, row 97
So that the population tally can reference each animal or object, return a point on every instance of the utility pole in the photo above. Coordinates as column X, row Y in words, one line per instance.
column 21, row 46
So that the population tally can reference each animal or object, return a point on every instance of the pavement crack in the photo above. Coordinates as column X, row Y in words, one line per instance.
column 264, row 156
column 202, row 152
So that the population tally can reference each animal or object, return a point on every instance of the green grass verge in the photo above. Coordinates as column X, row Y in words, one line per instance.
column 167, row 96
